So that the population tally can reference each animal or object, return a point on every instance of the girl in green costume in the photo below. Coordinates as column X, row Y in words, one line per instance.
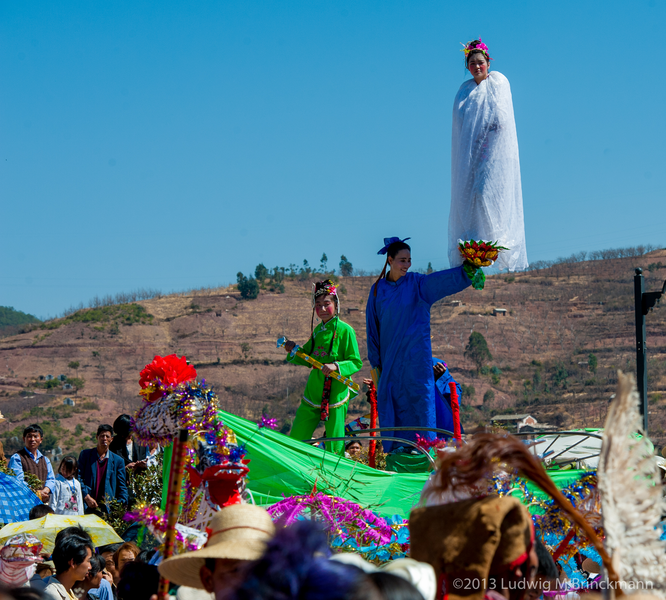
column 332, row 343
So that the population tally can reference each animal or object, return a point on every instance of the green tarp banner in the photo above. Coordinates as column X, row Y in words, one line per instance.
column 282, row 467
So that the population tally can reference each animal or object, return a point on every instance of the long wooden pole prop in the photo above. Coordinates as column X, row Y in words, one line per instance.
column 173, row 502
column 317, row 365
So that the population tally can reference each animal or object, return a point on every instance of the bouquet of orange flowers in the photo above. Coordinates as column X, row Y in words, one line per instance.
column 477, row 254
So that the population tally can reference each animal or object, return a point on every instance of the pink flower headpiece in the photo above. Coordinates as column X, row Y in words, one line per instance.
column 475, row 45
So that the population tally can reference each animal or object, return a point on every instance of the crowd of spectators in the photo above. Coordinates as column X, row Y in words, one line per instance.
column 87, row 484
column 247, row 558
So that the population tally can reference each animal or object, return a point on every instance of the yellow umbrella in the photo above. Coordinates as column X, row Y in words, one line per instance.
column 46, row 528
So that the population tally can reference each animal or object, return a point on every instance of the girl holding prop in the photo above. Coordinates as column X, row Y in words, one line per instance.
column 333, row 343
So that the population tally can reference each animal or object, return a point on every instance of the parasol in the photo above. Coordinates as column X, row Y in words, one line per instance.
column 46, row 528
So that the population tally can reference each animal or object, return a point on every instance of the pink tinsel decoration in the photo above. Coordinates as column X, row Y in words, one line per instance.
column 342, row 517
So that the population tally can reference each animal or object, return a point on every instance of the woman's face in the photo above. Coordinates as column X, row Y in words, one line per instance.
column 478, row 67
column 325, row 308
column 400, row 264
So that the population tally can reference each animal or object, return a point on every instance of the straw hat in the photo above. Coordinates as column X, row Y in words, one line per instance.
column 238, row 532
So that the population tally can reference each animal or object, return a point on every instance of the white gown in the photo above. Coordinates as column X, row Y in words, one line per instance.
column 486, row 195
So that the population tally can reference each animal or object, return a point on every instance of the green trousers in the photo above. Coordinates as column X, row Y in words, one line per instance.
column 307, row 419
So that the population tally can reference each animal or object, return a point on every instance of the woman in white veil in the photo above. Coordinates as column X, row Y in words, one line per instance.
column 486, row 194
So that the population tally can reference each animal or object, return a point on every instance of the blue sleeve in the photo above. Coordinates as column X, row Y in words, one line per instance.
column 50, row 477
column 85, row 490
column 372, row 330
column 15, row 465
column 121, row 491
column 441, row 284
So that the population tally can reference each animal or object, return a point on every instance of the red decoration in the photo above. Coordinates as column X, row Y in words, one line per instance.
column 455, row 411
column 164, row 374
column 372, row 399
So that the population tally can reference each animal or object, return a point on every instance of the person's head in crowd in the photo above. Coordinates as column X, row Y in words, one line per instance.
column 126, row 553
column 138, row 581
column 74, row 530
column 23, row 593
column 44, row 570
column 239, row 534
column 421, row 575
column 122, row 427
column 488, row 539
column 94, row 577
column 392, row 587
column 71, row 556
column 39, row 511
column 546, row 575
column 146, row 555
column 69, row 467
column 104, row 437
column 107, row 552
column 295, row 565
column 354, row 448
column 32, row 437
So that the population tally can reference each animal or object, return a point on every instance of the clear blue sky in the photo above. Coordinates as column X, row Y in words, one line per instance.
column 172, row 144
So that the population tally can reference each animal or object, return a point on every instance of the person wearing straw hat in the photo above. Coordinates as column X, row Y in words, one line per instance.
column 238, row 534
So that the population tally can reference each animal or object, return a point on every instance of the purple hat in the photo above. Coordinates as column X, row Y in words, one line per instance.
column 389, row 241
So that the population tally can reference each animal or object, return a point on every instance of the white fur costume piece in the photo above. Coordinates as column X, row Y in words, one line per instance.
column 486, row 193
column 631, row 496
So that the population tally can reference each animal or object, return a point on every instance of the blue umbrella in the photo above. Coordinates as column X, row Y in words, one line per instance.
column 16, row 499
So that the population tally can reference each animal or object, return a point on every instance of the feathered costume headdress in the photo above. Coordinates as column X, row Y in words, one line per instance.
column 632, row 499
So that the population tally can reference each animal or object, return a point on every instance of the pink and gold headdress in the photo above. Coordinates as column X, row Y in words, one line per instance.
column 475, row 45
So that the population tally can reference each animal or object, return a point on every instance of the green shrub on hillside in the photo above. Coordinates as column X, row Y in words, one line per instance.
column 123, row 314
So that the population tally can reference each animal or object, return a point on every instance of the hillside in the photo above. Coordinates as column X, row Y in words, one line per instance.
column 11, row 320
column 556, row 318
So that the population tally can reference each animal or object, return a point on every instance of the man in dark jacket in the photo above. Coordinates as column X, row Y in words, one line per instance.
column 102, row 473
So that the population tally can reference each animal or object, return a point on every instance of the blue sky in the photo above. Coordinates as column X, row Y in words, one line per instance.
column 171, row 144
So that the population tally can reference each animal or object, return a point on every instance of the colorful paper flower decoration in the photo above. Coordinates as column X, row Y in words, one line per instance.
column 163, row 375
column 480, row 253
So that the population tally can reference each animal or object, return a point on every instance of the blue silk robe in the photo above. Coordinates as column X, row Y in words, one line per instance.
column 398, row 328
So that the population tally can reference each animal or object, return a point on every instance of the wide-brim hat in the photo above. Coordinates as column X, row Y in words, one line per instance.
column 237, row 532
column 471, row 539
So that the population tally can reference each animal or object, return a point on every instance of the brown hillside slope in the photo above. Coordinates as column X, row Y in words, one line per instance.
column 555, row 319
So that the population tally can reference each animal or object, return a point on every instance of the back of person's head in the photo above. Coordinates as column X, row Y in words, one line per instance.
column 74, row 530
column 547, row 567
column 70, row 548
column 39, row 511
column 109, row 548
column 138, row 581
column 34, row 428
column 104, row 428
column 123, row 426
column 68, row 466
column 392, row 587
column 295, row 565
column 43, row 568
column 145, row 555
column 23, row 593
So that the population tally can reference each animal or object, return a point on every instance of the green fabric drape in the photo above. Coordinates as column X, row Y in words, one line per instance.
column 282, row 467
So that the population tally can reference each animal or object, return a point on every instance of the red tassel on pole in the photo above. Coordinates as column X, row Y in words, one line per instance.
column 455, row 410
column 372, row 447
column 173, row 502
